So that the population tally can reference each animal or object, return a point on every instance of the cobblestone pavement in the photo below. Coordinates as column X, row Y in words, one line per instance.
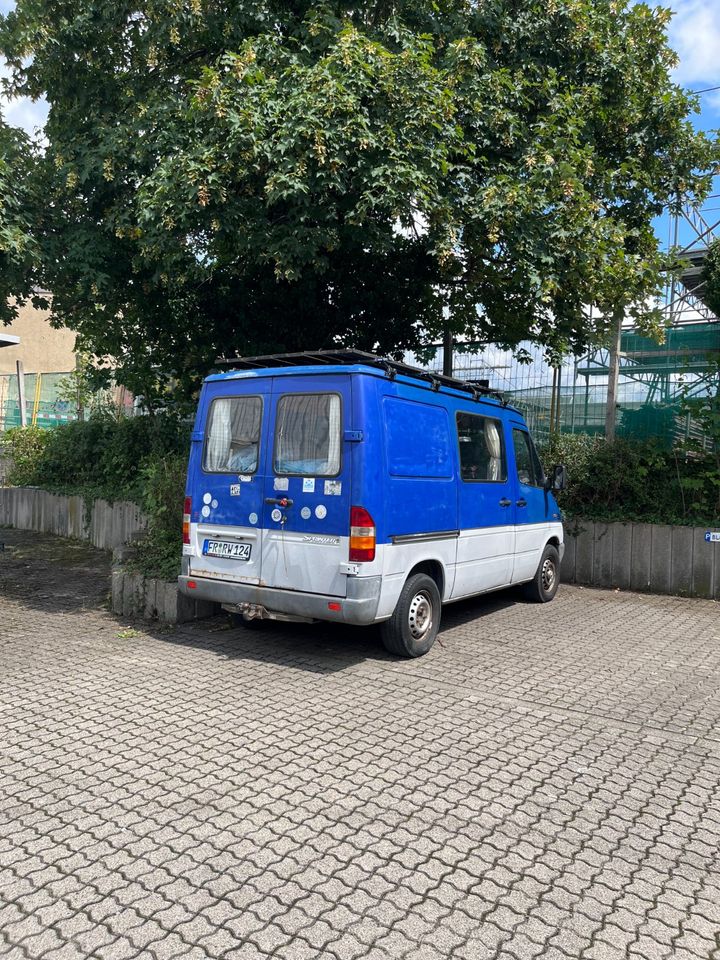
column 543, row 784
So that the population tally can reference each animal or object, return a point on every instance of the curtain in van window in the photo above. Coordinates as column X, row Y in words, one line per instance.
column 308, row 435
column 494, row 447
column 233, row 435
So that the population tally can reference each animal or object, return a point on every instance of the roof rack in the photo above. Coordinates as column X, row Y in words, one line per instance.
column 478, row 388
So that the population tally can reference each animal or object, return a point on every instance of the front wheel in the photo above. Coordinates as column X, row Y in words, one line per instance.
column 544, row 585
column 413, row 627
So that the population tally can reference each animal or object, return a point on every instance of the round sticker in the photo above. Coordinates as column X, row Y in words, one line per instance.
column 205, row 511
column 305, row 513
column 276, row 515
column 253, row 518
column 214, row 504
column 207, row 498
column 321, row 511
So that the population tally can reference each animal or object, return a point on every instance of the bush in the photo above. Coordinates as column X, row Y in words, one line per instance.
column 143, row 459
column 25, row 447
column 632, row 480
column 163, row 483
column 101, row 457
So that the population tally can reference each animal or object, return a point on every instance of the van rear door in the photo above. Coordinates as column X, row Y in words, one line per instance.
column 228, row 482
column 307, row 497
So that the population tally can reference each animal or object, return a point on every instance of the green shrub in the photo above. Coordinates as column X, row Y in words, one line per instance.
column 25, row 447
column 163, row 483
column 141, row 458
column 102, row 456
column 632, row 480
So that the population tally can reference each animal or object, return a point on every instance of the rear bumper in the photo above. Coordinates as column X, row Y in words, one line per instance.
column 358, row 607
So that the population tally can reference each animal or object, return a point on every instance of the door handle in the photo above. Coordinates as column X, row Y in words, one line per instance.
column 522, row 503
column 505, row 502
column 282, row 502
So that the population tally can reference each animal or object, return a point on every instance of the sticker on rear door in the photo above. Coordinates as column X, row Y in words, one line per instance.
column 305, row 513
column 333, row 488
column 234, row 489
column 309, row 485
column 321, row 511
column 281, row 483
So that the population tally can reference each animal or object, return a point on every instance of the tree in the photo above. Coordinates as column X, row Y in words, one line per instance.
column 711, row 278
column 18, row 250
column 226, row 177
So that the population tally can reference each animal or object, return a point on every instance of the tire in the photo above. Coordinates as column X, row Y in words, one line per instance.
column 544, row 585
column 413, row 627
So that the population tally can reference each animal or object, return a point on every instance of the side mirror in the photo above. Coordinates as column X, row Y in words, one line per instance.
column 557, row 479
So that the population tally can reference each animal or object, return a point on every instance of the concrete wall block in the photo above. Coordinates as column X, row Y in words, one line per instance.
column 567, row 567
column 150, row 611
column 585, row 547
column 705, row 559
column 602, row 555
column 116, row 592
column 661, row 558
column 621, row 555
column 681, row 561
column 640, row 556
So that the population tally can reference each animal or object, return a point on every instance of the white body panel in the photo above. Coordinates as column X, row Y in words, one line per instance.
column 530, row 541
column 306, row 562
column 220, row 568
column 484, row 560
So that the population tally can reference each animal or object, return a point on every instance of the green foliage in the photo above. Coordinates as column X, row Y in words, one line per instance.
column 631, row 480
column 25, row 446
column 102, row 457
column 257, row 176
column 142, row 459
column 163, row 485
column 711, row 276
column 18, row 207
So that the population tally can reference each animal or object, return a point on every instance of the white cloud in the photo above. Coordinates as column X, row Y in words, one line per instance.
column 695, row 35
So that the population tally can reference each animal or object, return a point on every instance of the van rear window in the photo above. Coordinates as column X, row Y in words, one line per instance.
column 233, row 435
column 308, row 434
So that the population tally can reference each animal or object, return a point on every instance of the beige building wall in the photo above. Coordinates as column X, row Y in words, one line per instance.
column 42, row 349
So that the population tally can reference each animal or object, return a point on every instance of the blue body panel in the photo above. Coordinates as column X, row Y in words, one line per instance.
column 400, row 458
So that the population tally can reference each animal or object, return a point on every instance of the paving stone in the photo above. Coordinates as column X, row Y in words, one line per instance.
column 546, row 782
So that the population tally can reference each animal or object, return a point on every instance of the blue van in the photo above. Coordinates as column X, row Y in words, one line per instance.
column 340, row 486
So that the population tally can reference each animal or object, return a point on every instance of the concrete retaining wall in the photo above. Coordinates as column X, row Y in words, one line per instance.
column 110, row 524
column 642, row 556
column 142, row 598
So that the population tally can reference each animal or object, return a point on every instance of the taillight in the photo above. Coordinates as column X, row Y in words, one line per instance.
column 187, row 510
column 362, row 535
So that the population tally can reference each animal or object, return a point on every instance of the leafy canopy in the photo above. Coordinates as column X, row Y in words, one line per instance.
column 226, row 177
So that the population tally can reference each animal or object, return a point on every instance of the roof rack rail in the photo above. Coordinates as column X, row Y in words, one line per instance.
column 392, row 368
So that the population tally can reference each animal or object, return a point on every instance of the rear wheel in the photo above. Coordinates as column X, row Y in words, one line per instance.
column 413, row 627
column 544, row 585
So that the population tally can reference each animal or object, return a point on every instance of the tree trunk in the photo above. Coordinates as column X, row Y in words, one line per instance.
column 613, row 374
column 447, row 353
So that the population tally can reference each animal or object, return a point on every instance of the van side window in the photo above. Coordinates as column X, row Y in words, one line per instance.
column 308, row 435
column 527, row 462
column 233, row 435
column 482, row 448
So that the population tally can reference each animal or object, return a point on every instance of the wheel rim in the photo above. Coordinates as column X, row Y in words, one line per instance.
column 548, row 576
column 420, row 615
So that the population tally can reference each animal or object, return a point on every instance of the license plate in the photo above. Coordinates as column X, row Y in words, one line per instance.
column 224, row 548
